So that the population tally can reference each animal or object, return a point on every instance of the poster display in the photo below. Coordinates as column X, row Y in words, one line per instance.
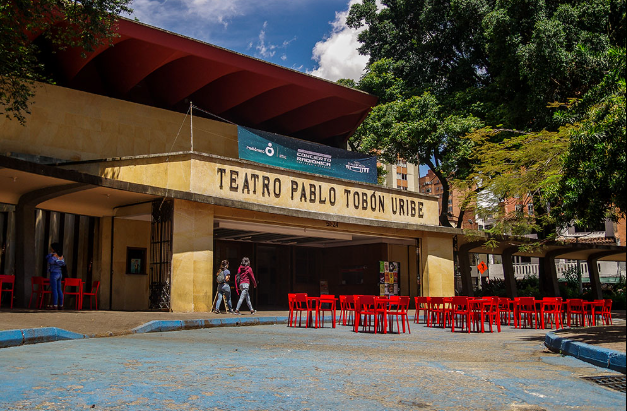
column 388, row 278
column 294, row 154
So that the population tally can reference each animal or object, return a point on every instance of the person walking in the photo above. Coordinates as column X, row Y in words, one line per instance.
column 224, row 288
column 55, row 274
column 242, row 282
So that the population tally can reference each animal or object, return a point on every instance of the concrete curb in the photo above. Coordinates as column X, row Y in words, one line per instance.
column 177, row 325
column 601, row 357
column 14, row 338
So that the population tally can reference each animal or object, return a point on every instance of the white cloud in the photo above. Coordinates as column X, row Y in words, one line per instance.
column 337, row 55
column 268, row 50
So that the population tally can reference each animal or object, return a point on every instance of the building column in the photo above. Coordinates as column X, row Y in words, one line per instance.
column 464, row 267
column 192, row 257
column 439, row 269
column 508, row 272
column 593, row 272
column 549, row 286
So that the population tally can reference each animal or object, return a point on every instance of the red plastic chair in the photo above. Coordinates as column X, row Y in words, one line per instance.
column 399, row 309
column 302, row 304
column 290, row 303
column 595, row 313
column 606, row 314
column 77, row 285
column 527, row 313
column 575, row 312
column 10, row 280
column 550, row 312
column 92, row 294
column 437, row 312
column 330, row 302
column 461, row 314
column 505, row 310
column 492, row 312
column 347, row 309
column 38, row 288
column 365, row 313
column 422, row 304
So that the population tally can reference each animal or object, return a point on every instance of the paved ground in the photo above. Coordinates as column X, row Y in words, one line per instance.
column 281, row 368
column 107, row 323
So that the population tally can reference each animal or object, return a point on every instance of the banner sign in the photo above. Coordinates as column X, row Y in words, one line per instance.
column 281, row 151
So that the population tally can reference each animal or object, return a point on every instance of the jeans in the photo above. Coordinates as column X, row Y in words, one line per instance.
column 56, row 289
column 225, row 290
column 244, row 295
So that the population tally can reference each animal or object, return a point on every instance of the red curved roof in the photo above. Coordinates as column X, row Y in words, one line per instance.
column 151, row 66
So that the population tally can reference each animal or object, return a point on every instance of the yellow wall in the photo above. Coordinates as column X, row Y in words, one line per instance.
column 130, row 291
column 438, row 278
column 192, row 257
column 243, row 181
column 74, row 125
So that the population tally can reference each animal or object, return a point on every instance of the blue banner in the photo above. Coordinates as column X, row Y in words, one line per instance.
column 286, row 152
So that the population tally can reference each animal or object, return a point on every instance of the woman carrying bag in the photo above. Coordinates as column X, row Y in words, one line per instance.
column 224, row 288
column 242, row 282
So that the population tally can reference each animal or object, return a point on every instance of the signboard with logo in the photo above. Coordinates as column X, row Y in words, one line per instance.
column 291, row 153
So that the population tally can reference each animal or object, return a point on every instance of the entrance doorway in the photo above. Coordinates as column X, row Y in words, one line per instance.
column 289, row 259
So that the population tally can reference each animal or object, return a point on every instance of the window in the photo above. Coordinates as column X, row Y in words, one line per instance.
column 530, row 209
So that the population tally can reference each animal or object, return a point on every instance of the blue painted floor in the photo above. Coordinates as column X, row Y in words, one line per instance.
column 273, row 367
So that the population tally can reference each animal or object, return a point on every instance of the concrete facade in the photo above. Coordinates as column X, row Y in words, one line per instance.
column 151, row 148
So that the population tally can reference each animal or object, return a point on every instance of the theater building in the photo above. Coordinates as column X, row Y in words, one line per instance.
column 155, row 159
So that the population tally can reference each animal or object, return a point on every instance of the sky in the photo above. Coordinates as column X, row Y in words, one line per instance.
column 305, row 35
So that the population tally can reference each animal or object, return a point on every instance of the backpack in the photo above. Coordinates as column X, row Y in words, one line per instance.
column 221, row 277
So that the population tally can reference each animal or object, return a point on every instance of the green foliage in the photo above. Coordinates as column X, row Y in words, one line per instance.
column 443, row 69
column 415, row 128
column 493, row 288
column 65, row 24
column 593, row 184
column 529, row 286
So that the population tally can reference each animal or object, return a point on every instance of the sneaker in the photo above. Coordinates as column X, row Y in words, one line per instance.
column 236, row 312
column 253, row 312
column 216, row 312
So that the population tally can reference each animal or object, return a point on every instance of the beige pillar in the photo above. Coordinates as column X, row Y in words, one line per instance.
column 192, row 257
column 438, row 268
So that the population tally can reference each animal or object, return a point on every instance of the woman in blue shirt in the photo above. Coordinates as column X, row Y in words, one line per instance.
column 55, row 263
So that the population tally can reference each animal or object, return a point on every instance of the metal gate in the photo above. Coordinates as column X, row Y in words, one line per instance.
column 161, row 254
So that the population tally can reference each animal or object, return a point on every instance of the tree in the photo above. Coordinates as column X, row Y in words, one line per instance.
column 593, row 181
column 64, row 23
column 500, row 63
column 574, row 175
column 413, row 128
